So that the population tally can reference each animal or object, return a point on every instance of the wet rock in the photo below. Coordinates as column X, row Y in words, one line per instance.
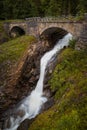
column 7, row 124
column 47, row 105
column 25, row 124
column 1, row 125
column 47, row 92
column 19, row 113
column 46, row 86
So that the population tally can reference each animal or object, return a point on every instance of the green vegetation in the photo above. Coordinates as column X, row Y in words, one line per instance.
column 11, row 52
column 72, row 43
column 13, row 49
column 70, row 82
column 21, row 9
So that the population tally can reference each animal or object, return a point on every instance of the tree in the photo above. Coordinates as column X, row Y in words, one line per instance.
column 54, row 8
column 1, row 10
column 11, row 9
column 82, row 6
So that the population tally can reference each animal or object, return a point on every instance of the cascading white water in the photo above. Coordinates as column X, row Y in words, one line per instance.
column 32, row 104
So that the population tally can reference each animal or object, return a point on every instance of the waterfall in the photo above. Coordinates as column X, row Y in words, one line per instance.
column 32, row 104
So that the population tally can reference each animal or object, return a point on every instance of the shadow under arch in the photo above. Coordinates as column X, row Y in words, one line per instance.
column 16, row 31
column 53, row 34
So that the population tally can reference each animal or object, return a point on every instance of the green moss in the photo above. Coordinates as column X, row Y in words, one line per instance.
column 70, row 82
column 13, row 49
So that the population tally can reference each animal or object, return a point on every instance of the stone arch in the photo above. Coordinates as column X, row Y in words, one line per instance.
column 16, row 31
column 53, row 34
column 66, row 26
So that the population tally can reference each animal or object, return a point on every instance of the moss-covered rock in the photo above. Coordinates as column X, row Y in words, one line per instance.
column 70, row 82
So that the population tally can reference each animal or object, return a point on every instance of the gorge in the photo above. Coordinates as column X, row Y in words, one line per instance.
column 32, row 104
column 43, row 65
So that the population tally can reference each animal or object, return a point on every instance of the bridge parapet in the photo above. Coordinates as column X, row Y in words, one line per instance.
column 33, row 19
column 44, row 19
column 52, row 20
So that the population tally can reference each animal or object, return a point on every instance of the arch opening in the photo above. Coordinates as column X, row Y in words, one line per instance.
column 16, row 32
column 53, row 34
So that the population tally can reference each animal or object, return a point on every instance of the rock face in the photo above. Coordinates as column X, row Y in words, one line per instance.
column 31, row 68
column 25, row 124
column 27, row 80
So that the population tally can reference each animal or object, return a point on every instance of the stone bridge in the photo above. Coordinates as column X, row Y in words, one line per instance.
column 48, row 27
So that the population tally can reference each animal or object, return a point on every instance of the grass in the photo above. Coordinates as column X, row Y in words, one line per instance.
column 13, row 49
column 70, row 82
column 11, row 52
